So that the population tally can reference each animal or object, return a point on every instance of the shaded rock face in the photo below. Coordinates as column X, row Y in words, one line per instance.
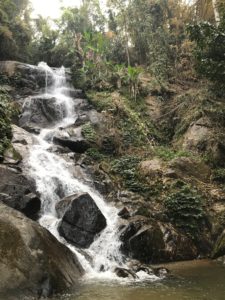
column 142, row 242
column 78, row 145
column 26, row 76
column 32, row 261
column 40, row 112
column 154, row 242
column 81, row 219
column 17, row 192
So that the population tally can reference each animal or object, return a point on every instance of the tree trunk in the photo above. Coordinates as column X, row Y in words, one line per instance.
column 216, row 12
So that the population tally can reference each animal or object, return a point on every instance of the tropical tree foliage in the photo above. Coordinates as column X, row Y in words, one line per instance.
column 15, row 29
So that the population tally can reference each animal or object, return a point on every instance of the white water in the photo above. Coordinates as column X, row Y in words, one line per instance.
column 51, row 172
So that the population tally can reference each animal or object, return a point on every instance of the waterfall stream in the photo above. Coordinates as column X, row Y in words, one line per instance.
column 50, row 171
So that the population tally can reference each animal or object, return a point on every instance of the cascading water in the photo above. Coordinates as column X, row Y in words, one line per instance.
column 50, row 171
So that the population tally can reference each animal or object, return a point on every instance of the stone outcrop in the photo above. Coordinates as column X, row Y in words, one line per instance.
column 81, row 219
column 150, row 241
column 18, row 192
column 40, row 112
column 32, row 261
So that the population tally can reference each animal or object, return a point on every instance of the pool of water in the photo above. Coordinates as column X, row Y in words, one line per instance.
column 196, row 280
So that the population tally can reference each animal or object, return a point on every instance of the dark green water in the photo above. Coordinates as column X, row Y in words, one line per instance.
column 198, row 280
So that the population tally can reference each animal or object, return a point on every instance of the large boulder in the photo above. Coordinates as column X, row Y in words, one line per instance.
column 41, row 111
column 18, row 152
column 151, row 241
column 18, row 192
column 81, row 219
column 72, row 138
column 78, row 145
column 142, row 241
column 32, row 261
column 202, row 137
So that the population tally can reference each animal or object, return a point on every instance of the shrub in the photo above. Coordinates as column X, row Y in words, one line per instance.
column 185, row 210
column 126, row 167
column 209, row 50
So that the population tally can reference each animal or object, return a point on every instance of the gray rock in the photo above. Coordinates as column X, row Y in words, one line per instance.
column 32, row 261
column 125, row 273
column 18, row 192
column 81, row 219
column 40, row 111
column 78, row 145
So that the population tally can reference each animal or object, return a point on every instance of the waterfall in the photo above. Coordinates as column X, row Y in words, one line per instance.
column 50, row 170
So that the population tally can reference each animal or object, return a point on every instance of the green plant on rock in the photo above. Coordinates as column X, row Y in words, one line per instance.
column 168, row 154
column 5, row 121
column 89, row 132
column 185, row 209
column 95, row 154
column 126, row 167
column 218, row 175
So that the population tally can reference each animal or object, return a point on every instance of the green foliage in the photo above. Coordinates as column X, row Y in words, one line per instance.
column 209, row 50
column 126, row 167
column 185, row 209
column 89, row 132
column 218, row 175
column 15, row 30
column 168, row 154
column 5, row 121
column 95, row 154
column 101, row 100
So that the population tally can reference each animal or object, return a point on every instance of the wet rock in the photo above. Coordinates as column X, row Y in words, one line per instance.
column 151, row 241
column 17, row 192
column 142, row 241
column 76, row 145
column 124, row 213
column 143, row 268
column 72, row 138
column 32, row 261
column 81, row 219
column 125, row 273
column 25, row 76
column 29, row 204
column 160, row 272
column 41, row 111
